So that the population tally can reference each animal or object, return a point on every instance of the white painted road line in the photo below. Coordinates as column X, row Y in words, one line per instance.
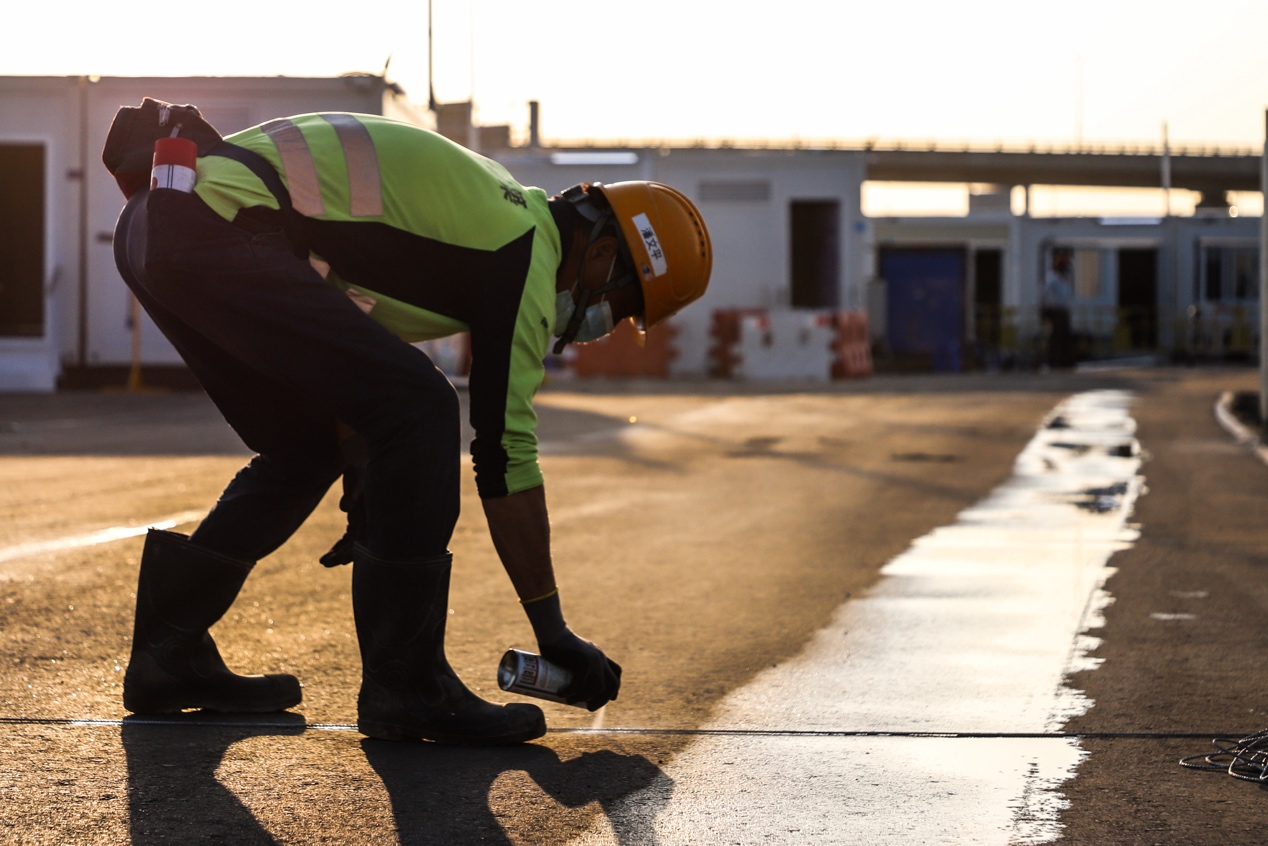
column 973, row 629
column 26, row 550
column 1242, row 434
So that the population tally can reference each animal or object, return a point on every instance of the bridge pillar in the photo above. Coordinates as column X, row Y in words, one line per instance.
column 1213, row 204
column 1263, row 292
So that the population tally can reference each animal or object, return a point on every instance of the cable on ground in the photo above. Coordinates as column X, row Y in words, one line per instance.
column 1246, row 758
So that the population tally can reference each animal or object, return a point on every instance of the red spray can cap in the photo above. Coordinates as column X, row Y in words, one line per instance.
column 175, row 151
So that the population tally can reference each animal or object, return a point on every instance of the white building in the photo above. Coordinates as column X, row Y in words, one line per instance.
column 787, row 229
column 767, row 211
column 1174, row 287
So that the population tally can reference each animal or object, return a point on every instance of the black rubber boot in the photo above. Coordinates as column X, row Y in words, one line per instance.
column 408, row 689
column 183, row 589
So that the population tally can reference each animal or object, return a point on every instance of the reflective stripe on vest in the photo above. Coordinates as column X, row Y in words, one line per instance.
column 297, row 166
column 365, row 187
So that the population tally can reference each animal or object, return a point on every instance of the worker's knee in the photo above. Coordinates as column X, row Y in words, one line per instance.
column 421, row 409
column 435, row 414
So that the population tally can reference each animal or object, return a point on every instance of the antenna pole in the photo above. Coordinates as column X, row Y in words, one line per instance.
column 431, row 87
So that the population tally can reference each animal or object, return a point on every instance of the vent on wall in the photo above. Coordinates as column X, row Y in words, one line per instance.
column 750, row 191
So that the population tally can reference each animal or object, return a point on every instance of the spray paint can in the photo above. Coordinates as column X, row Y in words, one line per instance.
column 532, row 675
column 175, row 164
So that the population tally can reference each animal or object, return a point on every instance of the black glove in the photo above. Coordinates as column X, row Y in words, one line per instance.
column 596, row 678
column 351, row 503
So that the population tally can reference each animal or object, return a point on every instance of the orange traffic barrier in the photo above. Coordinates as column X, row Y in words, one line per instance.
column 852, row 348
column 618, row 354
column 724, row 335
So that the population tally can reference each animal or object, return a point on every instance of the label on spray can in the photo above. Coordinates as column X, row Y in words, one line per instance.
column 532, row 675
column 175, row 164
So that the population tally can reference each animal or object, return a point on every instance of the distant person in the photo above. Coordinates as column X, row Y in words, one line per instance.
column 410, row 237
column 1058, row 297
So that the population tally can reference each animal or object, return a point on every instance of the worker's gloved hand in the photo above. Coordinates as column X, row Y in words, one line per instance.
column 596, row 678
column 351, row 503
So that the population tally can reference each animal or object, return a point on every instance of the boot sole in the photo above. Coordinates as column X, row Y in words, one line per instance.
column 169, row 707
column 387, row 731
column 175, row 703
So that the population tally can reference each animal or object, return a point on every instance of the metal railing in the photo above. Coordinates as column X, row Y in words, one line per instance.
column 1012, row 336
column 1218, row 331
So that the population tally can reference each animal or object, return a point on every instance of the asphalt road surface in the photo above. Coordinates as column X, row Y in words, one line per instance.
column 704, row 535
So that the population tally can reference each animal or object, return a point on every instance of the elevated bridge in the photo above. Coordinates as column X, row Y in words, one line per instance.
column 1211, row 172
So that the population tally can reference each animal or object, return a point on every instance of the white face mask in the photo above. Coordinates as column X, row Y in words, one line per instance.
column 596, row 323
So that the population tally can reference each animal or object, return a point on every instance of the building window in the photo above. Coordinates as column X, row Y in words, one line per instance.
column 815, row 253
column 21, row 240
column 1229, row 274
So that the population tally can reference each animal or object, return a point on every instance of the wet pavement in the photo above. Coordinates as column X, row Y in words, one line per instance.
column 943, row 688
column 917, row 610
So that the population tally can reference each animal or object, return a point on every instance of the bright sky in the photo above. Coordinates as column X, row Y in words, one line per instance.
column 977, row 71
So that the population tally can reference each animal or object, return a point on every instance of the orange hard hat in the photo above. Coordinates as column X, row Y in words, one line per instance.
column 668, row 243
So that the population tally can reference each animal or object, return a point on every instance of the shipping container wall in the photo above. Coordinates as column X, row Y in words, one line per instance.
column 39, row 128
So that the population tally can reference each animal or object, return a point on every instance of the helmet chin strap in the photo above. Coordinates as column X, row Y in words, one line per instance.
column 581, row 294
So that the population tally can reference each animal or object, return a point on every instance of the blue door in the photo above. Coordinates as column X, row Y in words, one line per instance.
column 925, row 303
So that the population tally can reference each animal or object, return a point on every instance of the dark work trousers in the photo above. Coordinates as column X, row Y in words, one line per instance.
column 1060, row 336
column 284, row 355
